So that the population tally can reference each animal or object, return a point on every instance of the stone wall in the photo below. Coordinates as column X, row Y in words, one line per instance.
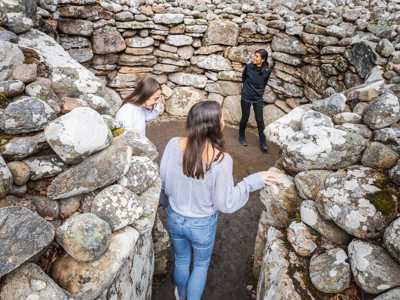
column 78, row 196
column 197, row 49
column 330, row 228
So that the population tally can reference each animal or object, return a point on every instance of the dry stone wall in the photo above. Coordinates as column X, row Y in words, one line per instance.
column 197, row 49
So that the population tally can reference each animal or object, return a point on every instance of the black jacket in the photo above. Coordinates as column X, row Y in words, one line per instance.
column 254, row 80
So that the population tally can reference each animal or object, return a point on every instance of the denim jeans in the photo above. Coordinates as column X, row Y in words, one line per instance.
column 189, row 235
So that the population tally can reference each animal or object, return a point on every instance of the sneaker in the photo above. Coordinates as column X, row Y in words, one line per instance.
column 264, row 147
column 176, row 293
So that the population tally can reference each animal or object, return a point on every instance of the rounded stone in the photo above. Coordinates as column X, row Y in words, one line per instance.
column 392, row 239
column 84, row 236
column 20, row 171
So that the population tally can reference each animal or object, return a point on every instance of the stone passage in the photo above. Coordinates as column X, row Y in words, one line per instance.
column 230, row 270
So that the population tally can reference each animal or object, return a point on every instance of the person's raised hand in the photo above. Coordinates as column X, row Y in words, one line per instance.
column 270, row 178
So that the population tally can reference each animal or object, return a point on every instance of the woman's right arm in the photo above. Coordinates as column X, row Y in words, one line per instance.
column 229, row 197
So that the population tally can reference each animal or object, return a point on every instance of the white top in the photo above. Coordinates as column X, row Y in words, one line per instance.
column 134, row 118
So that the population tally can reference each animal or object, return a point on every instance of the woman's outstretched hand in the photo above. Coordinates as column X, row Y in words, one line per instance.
column 270, row 177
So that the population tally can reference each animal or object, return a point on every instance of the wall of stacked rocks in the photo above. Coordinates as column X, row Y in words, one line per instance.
column 197, row 49
column 330, row 228
column 78, row 196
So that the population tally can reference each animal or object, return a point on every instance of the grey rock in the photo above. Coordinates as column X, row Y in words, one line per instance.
column 387, row 135
column 183, row 99
column 312, row 119
column 359, row 129
column 143, row 60
column 385, row 48
column 309, row 183
column 212, row 62
column 118, row 206
column 27, row 114
column 45, row 166
column 373, row 268
column 168, row 19
column 46, row 208
column 394, row 174
column 10, row 57
column 242, row 53
column 179, row 40
column 331, row 106
column 140, row 146
column 21, row 147
column 391, row 239
column 78, row 134
column 75, row 27
column 20, row 172
column 363, row 58
column 302, row 239
column 288, row 44
column 99, row 274
column 391, row 295
column 287, row 58
column 107, row 40
column 379, row 156
column 11, row 88
column 6, row 178
column 330, row 272
column 18, row 23
column 141, row 175
column 139, row 42
column 69, row 206
column 358, row 202
column 310, row 215
column 8, row 36
column 85, row 237
column 313, row 76
column 31, row 282
column 216, row 33
column 24, row 235
column 186, row 79
column 382, row 112
column 347, row 117
column 41, row 89
column 93, row 173
column 25, row 72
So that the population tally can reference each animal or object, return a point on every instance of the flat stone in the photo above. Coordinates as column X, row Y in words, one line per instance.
column 301, row 238
column 179, row 40
column 373, row 268
column 168, row 19
column 25, row 73
column 85, row 237
column 27, row 114
column 331, row 106
column 21, row 147
column 186, row 79
column 10, row 57
column 139, row 42
column 24, row 234
column 75, row 27
column 347, row 117
column 44, row 166
column 288, row 44
column 359, row 129
column 11, row 88
column 356, row 201
column 31, row 282
column 242, row 54
column 330, row 272
column 212, row 62
column 93, row 173
column 309, row 183
column 78, row 134
column 183, row 99
column 69, row 206
column 130, row 60
column 118, row 206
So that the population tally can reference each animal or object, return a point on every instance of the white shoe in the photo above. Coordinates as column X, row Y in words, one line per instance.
column 176, row 293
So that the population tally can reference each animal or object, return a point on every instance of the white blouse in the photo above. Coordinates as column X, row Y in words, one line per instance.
column 134, row 118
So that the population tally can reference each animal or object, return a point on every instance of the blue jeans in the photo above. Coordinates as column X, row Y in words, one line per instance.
column 187, row 235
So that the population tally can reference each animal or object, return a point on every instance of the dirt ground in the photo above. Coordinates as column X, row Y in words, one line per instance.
column 229, row 275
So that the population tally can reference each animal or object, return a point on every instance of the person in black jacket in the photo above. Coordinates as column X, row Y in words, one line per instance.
column 254, row 79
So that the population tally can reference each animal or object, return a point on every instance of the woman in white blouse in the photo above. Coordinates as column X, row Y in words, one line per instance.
column 141, row 106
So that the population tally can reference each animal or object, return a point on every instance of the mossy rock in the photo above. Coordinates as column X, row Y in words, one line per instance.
column 384, row 201
column 117, row 131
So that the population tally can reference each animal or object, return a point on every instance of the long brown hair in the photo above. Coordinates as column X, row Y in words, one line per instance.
column 144, row 89
column 203, row 126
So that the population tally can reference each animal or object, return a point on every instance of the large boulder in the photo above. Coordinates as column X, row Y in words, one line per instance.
column 95, row 172
column 6, row 178
column 392, row 239
column 183, row 99
column 373, row 269
column 288, row 44
column 141, row 175
column 78, row 134
column 30, row 282
column 118, row 206
column 99, row 274
column 358, row 200
column 330, row 272
column 382, row 112
column 25, row 115
column 69, row 78
column 84, row 236
column 308, row 147
column 10, row 57
column 217, row 33
column 24, row 234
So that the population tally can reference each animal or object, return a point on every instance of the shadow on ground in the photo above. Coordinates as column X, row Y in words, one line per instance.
column 230, row 271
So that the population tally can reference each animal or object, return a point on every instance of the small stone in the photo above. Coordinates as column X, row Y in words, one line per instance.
column 213, row 62
column 385, row 48
column 85, row 237
column 179, row 40
column 21, row 147
column 168, row 19
column 379, row 156
column 75, row 27
column 391, row 239
column 69, row 206
column 138, row 42
column 330, row 272
column 6, row 178
column 183, row 99
column 107, row 40
column 186, row 79
column 20, row 172
column 11, row 88
column 393, row 294
column 309, row 183
column 331, row 106
column 301, row 238
column 25, row 73
column 44, row 166
column 382, row 112
column 347, row 117
column 10, row 57
column 46, row 208
column 18, row 22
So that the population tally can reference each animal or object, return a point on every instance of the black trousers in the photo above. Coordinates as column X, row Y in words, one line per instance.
column 258, row 112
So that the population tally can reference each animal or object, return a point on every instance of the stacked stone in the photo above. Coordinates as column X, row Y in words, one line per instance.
column 334, row 215
column 78, row 200
column 196, row 49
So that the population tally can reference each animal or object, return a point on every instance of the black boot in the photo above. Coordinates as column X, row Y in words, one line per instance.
column 263, row 144
column 242, row 137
